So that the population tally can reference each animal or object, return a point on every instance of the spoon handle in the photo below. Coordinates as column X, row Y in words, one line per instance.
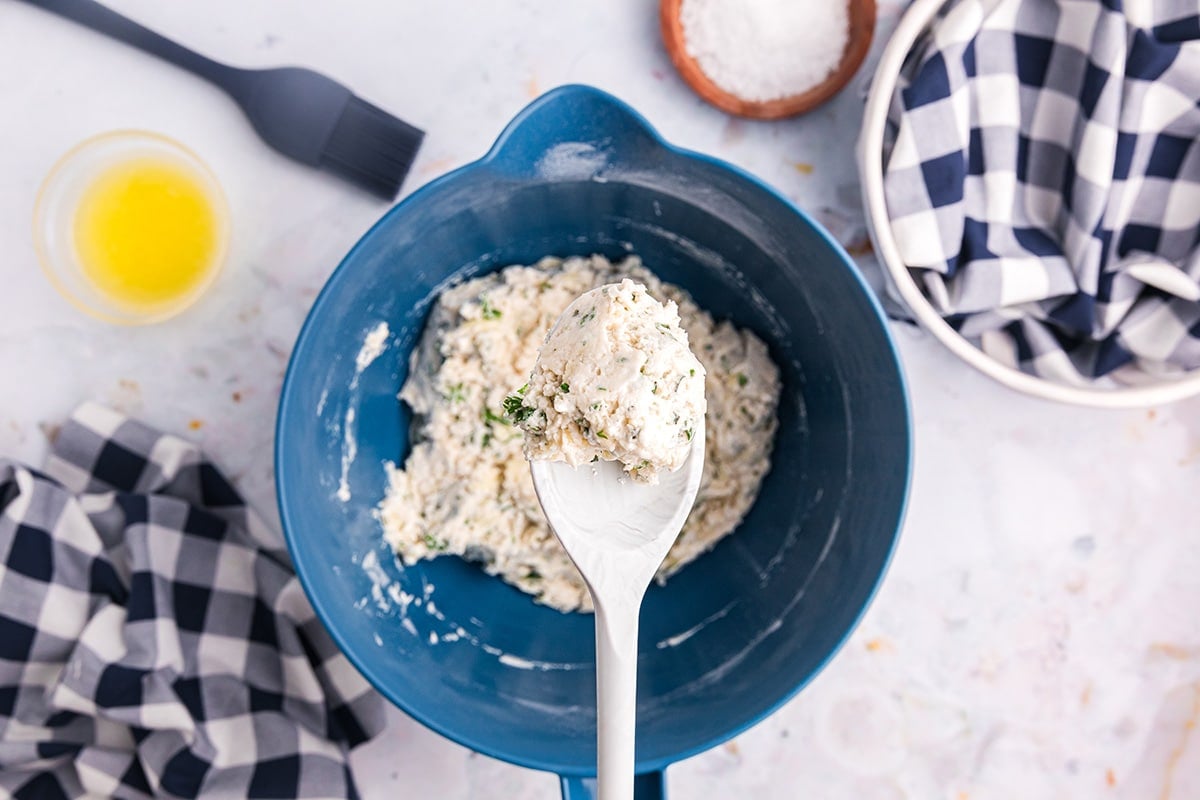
column 616, row 700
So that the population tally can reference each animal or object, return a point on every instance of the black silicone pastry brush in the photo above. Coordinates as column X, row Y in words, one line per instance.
column 302, row 114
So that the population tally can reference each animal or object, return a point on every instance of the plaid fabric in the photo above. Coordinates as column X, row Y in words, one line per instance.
column 153, row 639
column 1043, row 180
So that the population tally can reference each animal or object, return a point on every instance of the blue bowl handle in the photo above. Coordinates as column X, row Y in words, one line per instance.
column 648, row 786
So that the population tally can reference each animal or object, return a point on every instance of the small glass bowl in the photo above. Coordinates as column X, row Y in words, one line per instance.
column 59, row 198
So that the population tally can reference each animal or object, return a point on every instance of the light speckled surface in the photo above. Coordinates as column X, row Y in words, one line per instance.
column 1037, row 635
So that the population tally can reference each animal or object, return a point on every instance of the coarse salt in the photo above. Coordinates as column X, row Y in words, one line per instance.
column 762, row 50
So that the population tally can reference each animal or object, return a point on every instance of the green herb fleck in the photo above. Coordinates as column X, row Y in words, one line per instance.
column 566, row 387
column 523, row 390
column 533, row 575
column 689, row 433
column 692, row 372
column 455, row 393
column 434, row 543
column 595, row 459
column 595, row 406
column 487, row 439
column 601, row 435
column 742, row 379
column 588, row 317
column 488, row 310
column 602, row 388
column 535, row 427
column 490, row 416
column 514, row 409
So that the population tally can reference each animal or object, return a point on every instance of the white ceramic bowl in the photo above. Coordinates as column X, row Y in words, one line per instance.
column 1142, row 389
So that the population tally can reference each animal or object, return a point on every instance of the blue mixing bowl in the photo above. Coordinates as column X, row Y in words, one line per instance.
column 733, row 635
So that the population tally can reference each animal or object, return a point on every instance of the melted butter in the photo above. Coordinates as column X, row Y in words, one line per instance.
column 146, row 233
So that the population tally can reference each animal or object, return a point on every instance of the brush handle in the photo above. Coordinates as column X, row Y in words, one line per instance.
column 104, row 20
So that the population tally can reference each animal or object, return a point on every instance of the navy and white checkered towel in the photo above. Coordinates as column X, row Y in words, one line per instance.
column 154, row 641
column 1043, row 180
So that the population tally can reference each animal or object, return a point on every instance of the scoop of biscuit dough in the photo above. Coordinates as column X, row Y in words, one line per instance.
column 615, row 380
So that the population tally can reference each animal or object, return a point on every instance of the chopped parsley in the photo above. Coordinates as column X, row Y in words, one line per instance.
column 692, row 372
column 742, row 379
column 490, row 416
column 455, row 393
column 565, row 387
column 488, row 310
column 601, row 435
column 588, row 317
column 514, row 409
column 689, row 433
column 523, row 390
column 434, row 543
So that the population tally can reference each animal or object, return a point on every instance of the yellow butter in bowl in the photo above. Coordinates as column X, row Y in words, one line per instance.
column 131, row 227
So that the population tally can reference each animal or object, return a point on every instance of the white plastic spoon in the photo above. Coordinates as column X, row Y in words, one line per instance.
column 617, row 532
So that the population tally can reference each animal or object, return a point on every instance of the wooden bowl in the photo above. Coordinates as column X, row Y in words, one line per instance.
column 862, row 29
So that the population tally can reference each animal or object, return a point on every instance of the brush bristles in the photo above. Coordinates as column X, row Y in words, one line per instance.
column 371, row 148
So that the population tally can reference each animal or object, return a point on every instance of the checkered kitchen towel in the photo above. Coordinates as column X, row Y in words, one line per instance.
column 153, row 639
column 1043, row 180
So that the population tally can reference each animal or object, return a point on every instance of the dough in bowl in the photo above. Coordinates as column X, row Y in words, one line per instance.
column 465, row 488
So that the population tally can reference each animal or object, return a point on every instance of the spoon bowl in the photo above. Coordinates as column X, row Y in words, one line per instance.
column 862, row 30
column 617, row 532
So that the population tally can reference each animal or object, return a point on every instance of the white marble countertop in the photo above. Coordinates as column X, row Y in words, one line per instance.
column 1038, row 635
